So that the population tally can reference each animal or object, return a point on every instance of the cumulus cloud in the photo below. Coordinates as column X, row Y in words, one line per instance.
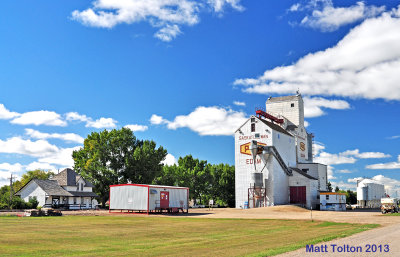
column 313, row 106
column 43, row 150
column 346, row 157
column 238, row 103
column 8, row 167
column 40, row 166
column 99, row 123
column 37, row 118
column 385, row 166
column 207, row 121
column 329, row 18
column 364, row 64
column 167, row 16
column 5, row 114
column 136, row 127
column 102, row 123
column 62, row 157
column 157, row 120
column 17, row 145
column 170, row 160
column 69, row 137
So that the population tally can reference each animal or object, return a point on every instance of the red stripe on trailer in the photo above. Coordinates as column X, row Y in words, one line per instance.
column 148, row 200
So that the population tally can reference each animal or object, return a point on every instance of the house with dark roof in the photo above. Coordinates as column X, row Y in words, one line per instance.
column 66, row 190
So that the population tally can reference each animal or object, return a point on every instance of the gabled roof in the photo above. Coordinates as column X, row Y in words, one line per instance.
column 283, row 98
column 303, row 173
column 68, row 177
column 51, row 187
column 275, row 127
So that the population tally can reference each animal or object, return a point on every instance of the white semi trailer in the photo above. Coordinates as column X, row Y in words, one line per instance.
column 389, row 205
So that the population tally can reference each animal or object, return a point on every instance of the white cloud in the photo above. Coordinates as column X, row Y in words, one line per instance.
column 6, row 114
column 294, row 7
column 17, row 145
column 40, row 165
column 168, row 16
column 99, row 123
column 394, row 137
column 102, row 123
column 37, row 118
column 157, row 120
column 69, row 137
column 74, row 116
column 364, row 64
column 62, row 157
column 238, row 103
column 306, row 123
column 16, row 167
column 136, row 127
column 344, row 186
column 168, row 33
column 43, row 150
column 313, row 106
column 344, row 171
column 365, row 155
column 170, row 160
column 349, row 156
column 330, row 18
column 219, row 5
column 207, row 121
column 385, row 166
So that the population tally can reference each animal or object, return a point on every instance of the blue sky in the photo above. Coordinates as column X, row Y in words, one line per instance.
column 188, row 73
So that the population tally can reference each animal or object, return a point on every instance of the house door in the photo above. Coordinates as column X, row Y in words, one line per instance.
column 87, row 203
column 164, row 199
column 298, row 195
column 55, row 201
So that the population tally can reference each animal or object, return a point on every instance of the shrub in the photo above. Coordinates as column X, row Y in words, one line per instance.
column 34, row 203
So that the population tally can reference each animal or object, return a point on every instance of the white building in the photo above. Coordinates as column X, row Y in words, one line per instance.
column 369, row 193
column 283, row 173
column 148, row 198
column 66, row 190
column 332, row 201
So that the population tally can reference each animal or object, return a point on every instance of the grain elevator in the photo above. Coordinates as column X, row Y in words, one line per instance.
column 273, row 158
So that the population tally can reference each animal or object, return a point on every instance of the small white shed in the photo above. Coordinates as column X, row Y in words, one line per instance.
column 148, row 198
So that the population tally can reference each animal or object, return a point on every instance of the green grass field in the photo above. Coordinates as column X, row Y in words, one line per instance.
column 161, row 236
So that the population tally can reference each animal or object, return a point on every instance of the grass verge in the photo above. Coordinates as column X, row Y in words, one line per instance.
column 155, row 236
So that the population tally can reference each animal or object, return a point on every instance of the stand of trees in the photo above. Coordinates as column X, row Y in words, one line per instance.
column 206, row 181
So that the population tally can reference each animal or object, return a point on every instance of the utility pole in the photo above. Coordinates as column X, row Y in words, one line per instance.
column 11, row 190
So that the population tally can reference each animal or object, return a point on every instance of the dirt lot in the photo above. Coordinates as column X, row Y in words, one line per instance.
column 276, row 212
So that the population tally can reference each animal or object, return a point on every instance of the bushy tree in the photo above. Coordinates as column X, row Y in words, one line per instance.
column 117, row 156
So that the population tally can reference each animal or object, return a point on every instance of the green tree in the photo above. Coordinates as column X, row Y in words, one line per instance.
column 28, row 176
column 337, row 189
column 329, row 186
column 117, row 156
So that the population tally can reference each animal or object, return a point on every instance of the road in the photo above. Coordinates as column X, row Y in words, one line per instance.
column 386, row 235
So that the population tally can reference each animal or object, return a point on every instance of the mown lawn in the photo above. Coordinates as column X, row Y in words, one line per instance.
column 161, row 236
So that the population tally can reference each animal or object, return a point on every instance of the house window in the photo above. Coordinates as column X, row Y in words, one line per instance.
column 257, row 135
column 305, row 170
column 253, row 127
column 292, row 105
column 253, row 120
column 81, row 186
column 75, row 200
column 327, row 197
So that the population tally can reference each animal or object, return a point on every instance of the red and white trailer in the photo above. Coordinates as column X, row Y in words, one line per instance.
column 148, row 198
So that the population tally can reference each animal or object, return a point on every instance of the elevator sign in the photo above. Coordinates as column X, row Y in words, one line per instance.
column 245, row 148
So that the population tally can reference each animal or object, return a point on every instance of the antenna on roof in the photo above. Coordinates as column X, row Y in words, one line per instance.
column 298, row 92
